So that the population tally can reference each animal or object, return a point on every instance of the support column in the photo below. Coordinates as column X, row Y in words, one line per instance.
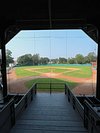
column 98, row 69
column 3, row 66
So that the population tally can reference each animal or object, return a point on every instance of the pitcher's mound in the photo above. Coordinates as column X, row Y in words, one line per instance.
column 50, row 74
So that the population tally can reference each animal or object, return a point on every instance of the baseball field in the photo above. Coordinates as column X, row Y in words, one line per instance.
column 80, row 71
column 73, row 75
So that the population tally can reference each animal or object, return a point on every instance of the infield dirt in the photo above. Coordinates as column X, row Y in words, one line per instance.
column 86, row 86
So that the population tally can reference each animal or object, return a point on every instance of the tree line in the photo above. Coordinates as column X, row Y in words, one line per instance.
column 35, row 59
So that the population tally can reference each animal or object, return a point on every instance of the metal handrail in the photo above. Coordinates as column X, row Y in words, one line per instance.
column 11, row 115
column 92, row 110
column 90, row 113
column 12, row 110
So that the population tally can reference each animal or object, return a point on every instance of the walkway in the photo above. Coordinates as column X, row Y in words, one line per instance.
column 49, row 114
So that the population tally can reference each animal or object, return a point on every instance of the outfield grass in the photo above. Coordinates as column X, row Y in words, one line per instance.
column 44, row 84
column 83, row 72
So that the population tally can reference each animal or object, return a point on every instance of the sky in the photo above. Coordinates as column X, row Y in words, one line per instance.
column 51, row 43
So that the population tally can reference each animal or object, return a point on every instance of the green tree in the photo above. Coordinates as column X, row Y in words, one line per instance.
column 86, row 60
column 79, row 58
column 71, row 61
column 9, row 58
column 36, row 59
column 55, row 61
column 62, row 60
column 44, row 61
column 91, row 57
column 25, row 60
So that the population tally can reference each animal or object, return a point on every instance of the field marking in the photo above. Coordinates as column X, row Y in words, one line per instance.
column 66, row 72
column 51, row 69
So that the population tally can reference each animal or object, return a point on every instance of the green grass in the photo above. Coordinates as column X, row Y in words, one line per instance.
column 21, row 72
column 44, row 84
column 57, row 70
column 83, row 72
column 45, row 70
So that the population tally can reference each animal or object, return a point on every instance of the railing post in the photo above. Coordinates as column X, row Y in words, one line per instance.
column 68, row 95
column 12, row 111
column 3, row 65
column 35, row 88
column 73, row 103
column 91, row 126
column 86, row 116
column 26, row 101
column 65, row 89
